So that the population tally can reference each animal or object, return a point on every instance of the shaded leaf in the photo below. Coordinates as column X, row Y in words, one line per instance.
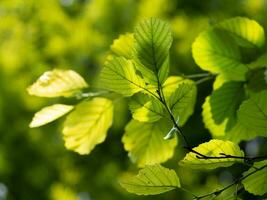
column 119, row 75
column 260, row 62
column 253, row 113
column 151, row 180
column 56, row 83
column 256, row 182
column 49, row 114
column 213, row 148
column 87, row 125
column 145, row 143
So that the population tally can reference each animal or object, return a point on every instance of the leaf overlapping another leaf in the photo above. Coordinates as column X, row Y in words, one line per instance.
column 145, row 143
column 119, row 75
column 88, row 124
column 153, row 179
column 56, row 83
column 123, row 46
column 213, row 148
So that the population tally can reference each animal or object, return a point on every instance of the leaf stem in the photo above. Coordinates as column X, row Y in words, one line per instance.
column 197, row 75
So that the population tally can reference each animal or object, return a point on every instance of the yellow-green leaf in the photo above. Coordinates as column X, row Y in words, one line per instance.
column 216, row 52
column 56, row 83
column 253, row 113
column 145, row 143
column 88, row 124
column 49, row 114
column 256, row 180
column 246, row 32
column 152, row 180
column 119, row 75
column 213, row 148
column 180, row 96
column 145, row 108
column 123, row 46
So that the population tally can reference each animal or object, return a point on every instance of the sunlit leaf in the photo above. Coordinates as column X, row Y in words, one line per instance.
column 58, row 83
column 180, row 96
column 145, row 143
column 256, row 182
column 153, row 179
column 87, row 125
column 213, row 148
column 246, row 32
column 119, row 75
column 145, row 108
column 215, row 51
column 49, row 114
column 123, row 46
column 153, row 41
column 253, row 113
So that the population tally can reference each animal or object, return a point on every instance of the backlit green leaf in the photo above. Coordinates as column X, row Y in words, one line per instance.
column 49, row 114
column 180, row 96
column 260, row 62
column 87, row 125
column 145, row 108
column 119, row 75
column 213, row 148
column 253, row 113
column 246, row 32
column 153, row 41
column 151, row 180
column 145, row 143
column 215, row 51
column 56, row 83
column 256, row 182
column 123, row 46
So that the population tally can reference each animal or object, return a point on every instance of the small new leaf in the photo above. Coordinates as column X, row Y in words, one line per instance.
column 152, row 180
column 49, row 114
column 213, row 148
column 119, row 75
column 145, row 142
column 87, row 125
column 56, row 83
column 256, row 182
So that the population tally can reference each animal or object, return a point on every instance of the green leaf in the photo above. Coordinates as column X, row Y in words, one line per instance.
column 145, row 108
column 49, row 114
column 246, row 32
column 256, row 182
column 87, row 125
column 145, row 143
column 225, row 101
column 152, row 180
column 235, row 134
column 56, row 83
column 119, row 75
column 253, row 113
column 153, row 41
column 216, row 52
column 123, row 46
column 213, row 148
column 260, row 62
column 180, row 96
column 256, row 81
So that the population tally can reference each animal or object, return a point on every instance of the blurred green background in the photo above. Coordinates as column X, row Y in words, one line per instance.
column 38, row 35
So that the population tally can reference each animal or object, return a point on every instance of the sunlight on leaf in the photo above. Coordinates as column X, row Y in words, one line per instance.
column 56, row 83
column 123, row 46
column 213, row 148
column 49, row 114
column 145, row 143
column 88, row 124
column 152, row 180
